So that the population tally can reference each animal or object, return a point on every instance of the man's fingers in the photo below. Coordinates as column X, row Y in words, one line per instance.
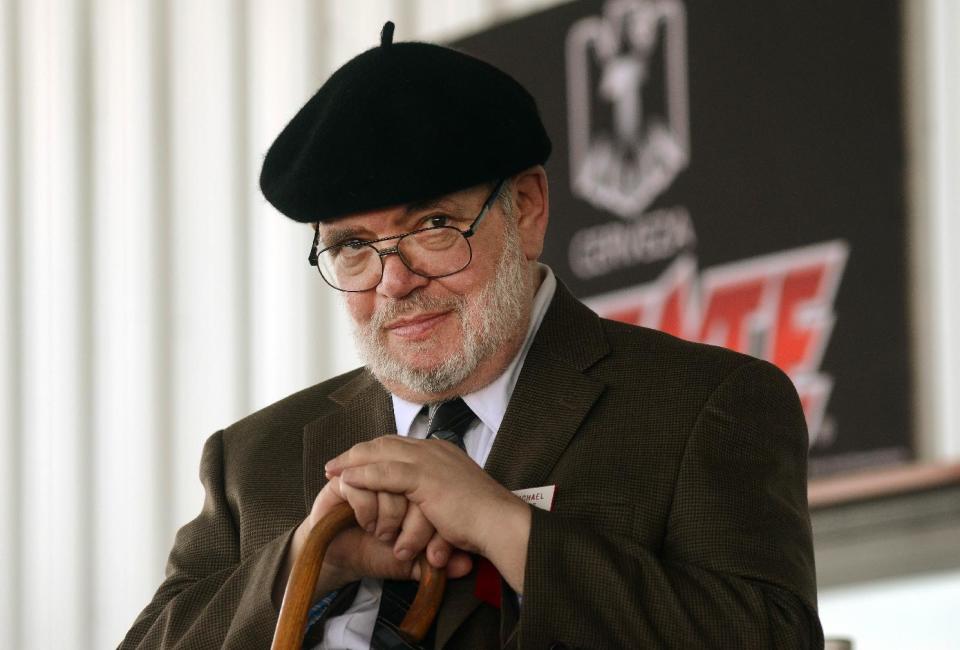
column 438, row 551
column 392, row 447
column 388, row 476
column 391, row 509
column 415, row 532
column 364, row 504
column 328, row 497
column 460, row 564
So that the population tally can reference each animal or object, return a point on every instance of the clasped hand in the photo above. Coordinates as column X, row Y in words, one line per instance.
column 466, row 506
column 409, row 497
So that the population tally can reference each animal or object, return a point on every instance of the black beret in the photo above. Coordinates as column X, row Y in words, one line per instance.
column 400, row 123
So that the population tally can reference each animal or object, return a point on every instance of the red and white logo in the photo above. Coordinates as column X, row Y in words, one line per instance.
column 778, row 307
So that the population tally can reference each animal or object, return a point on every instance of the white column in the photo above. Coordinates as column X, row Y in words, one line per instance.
column 129, row 544
column 946, row 141
column 9, row 337
column 286, row 337
column 205, row 267
column 54, row 424
column 933, row 137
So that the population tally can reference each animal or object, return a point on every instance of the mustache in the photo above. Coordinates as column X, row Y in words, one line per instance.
column 415, row 302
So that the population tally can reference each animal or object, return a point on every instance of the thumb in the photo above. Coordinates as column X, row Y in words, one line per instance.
column 459, row 565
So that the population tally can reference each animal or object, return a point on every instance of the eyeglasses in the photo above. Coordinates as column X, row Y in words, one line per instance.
column 436, row 252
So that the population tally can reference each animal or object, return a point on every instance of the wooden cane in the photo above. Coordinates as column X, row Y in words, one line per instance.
column 298, row 596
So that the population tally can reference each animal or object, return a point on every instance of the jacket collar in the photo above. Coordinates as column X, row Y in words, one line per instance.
column 358, row 411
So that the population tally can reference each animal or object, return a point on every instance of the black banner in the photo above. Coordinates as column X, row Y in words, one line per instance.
column 733, row 172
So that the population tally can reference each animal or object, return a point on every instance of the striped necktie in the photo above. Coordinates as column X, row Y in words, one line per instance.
column 448, row 421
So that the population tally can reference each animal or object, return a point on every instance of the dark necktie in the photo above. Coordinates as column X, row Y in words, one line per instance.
column 449, row 421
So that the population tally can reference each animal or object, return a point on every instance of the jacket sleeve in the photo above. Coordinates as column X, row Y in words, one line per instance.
column 735, row 569
column 212, row 596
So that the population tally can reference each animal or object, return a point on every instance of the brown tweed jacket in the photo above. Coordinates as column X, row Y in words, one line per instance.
column 680, row 518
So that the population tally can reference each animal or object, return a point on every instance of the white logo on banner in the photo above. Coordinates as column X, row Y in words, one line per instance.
column 623, row 153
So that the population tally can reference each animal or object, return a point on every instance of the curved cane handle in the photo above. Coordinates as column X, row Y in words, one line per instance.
column 306, row 570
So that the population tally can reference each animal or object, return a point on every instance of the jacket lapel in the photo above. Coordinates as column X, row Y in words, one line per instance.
column 547, row 407
column 546, row 410
column 358, row 411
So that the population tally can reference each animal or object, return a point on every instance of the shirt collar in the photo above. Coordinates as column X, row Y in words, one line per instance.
column 490, row 402
column 405, row 413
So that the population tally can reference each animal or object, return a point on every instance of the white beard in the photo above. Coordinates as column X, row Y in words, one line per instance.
column 487, row 322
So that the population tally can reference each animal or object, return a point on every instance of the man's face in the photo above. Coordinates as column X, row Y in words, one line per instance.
column 426, row 337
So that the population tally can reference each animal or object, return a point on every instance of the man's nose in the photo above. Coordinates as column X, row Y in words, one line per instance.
column 397, row 279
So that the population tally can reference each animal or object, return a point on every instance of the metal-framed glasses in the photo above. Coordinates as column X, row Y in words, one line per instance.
column 435, row 252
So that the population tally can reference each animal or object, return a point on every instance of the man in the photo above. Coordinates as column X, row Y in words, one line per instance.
column 680, row 517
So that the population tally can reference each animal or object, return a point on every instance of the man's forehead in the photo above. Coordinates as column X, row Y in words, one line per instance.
column 388, row 219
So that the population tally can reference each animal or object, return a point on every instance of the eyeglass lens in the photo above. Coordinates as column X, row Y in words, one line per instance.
column 432, row 253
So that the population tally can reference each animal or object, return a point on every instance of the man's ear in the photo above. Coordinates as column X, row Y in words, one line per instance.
column 531, row 198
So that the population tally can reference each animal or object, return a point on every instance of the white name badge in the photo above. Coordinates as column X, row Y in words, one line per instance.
column 541, row 497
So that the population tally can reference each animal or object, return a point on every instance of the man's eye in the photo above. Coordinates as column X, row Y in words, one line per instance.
column 436, row 221
column 345, row 247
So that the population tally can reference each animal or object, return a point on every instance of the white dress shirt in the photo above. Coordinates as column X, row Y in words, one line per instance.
column 353, row 629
